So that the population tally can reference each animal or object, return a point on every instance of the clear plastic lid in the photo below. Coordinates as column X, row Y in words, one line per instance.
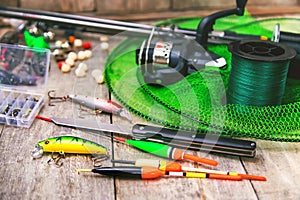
column 24, row 68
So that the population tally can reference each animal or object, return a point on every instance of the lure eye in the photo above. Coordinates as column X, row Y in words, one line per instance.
column 47, row 142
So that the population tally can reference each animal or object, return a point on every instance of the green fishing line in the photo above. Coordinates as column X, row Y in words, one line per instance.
column 256, row 83
column 258, row 72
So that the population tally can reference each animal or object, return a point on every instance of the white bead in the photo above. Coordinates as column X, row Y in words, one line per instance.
column 83, row 66
column 104, row 46
column 56, row 52
column 50, row 35
column 58, row 43
column 65, row 45
column 78, row 43
column 81, row 55
column 72, row 55
column 80, row 73
column 65, row 68
column 70, row 62
column 98, row 76
column 88, row 53
column 81, row 70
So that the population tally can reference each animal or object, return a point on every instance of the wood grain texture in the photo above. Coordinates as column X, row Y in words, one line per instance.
column 279, row 162
column 204, row 4
column 9, row 3
column 64, row 6
column 274, row 2
column 130, row 6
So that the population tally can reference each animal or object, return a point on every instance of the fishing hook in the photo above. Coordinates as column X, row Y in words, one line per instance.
column 97, row 159
column 51, row 97
column 83, row 110
column 56, row 160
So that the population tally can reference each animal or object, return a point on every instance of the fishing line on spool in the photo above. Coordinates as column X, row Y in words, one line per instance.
column 259, row 72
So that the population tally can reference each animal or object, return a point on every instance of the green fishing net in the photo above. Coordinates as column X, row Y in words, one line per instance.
column 198, row 102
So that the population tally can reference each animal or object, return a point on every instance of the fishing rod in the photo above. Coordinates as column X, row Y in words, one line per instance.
column 169, row 53
column 89, row 24
column 107, row 26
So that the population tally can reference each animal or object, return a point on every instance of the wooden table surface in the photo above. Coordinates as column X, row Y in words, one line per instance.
column 22, row 177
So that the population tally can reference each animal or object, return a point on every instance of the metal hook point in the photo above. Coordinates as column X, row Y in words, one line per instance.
column 98, row 159
column 52, row 97
column 57, row 161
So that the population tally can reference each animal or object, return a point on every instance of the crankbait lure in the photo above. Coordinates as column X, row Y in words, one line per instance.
column 97, row 104
column 69, row 144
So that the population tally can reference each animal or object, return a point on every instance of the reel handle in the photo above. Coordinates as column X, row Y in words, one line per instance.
column 206, row 24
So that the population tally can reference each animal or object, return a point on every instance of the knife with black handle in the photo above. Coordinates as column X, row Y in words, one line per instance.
column 196, row 141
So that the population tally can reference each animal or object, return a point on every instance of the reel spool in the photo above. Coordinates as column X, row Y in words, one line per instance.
column 258, row 73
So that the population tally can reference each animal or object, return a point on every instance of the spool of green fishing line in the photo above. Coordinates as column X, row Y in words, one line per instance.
column 259, row 72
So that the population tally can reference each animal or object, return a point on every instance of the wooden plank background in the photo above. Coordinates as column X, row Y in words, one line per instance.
column 61, row 6
column 205, row 4
column 156, row 7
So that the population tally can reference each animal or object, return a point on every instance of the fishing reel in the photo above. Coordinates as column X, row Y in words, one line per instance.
column 167, row 58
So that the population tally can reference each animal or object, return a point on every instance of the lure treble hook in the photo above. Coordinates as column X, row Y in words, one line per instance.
column 56, row 160
column 52, row 97
column 98, row 159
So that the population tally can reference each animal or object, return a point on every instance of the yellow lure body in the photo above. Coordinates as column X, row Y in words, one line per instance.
column 71, row 144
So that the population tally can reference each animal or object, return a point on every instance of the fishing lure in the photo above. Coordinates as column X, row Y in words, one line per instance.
column 69, row 144
column 97, row 104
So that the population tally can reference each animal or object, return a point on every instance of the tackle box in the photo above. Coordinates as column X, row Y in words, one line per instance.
column 23, row 78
